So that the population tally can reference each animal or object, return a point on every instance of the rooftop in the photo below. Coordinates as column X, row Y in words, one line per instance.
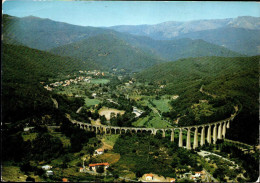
column 148, row 175
column 99, row 164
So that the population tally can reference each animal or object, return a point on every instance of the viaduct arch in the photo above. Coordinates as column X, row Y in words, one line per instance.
column 210, row 132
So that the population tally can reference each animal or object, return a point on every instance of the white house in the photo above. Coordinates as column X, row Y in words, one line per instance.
column 99, row 151
column 137, row 112
column 28, row 129
column 198, row 174
column 148, row 176
column 46, row 167
column 81, row 169
column 49, row 172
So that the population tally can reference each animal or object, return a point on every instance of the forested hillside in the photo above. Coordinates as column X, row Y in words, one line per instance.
column 22, row 71
column 44, row 34
column 134, row 53
column 109, row 51
column 108, row 47
column 232, row 81
column 178, row 48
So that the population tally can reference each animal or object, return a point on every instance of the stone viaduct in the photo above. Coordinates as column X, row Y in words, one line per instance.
column 215, row 130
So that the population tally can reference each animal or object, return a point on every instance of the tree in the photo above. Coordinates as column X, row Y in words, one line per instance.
column 103, row 119
column 100, row 169
column 90, row 150
column 26, row 167
column 30, row 179
column 45, row 147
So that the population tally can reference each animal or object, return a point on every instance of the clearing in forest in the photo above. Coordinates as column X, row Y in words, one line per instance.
column 107, row 112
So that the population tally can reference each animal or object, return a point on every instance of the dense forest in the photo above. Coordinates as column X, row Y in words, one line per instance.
column 223, row 82
column 23, row 69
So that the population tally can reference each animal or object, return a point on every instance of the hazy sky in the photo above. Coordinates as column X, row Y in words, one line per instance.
column 108, row 13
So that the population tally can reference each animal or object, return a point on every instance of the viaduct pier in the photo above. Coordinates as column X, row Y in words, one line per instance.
column 210, row 132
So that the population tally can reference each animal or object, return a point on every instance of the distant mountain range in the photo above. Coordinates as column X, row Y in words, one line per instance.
column 113, row 49
column 44, row 34
column 109, row 51
column 240, row 34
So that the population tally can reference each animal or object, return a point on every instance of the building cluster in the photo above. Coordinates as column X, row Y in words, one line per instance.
column 129, row 83
column 48, row 170
column 76, row 80
column 194, row 177
column 93, row 167
column 137, row 112
column 155, row 178
column 94, row 72
column 68, row 82
column 98, row 152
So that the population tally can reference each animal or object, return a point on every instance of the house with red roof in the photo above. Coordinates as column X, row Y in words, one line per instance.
column 99, row 151
column 65, row 180
column 96, row 165
column 172, row 179
column 148, row 176
column 198, row 174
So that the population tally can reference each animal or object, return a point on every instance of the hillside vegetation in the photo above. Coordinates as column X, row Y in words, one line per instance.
column 44, row 34
column 178, row 48
column 244, row 41
column 104, row 46
column 109, row 51
column 234, row 81
column 23, row 70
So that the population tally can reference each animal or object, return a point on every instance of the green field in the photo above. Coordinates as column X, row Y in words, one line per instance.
column 99, row 81
column 65, row 140
column 155, row 122
column 29, row 136
column 14, row 174
column 162, row 105
column 111, row 139
column 91, row 102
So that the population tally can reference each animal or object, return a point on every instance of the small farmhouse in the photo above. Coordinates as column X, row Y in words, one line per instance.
column 65, row 180
column 198, row 174
column 46, row 167
column 148, row 176
column 81, row 169
column 94, row 166
column 49, row 172
column 172, row 179
column 99, row 151
column 27, row 129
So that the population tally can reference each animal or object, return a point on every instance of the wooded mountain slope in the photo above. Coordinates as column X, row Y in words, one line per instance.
column 232, row 80
column 109, row 51
column 241, row 40
column 134, row 53
column 178, row 48
column 44, row 34
column 23, row 69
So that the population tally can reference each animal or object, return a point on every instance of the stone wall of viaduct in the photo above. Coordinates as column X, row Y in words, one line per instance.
column 219, row 131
